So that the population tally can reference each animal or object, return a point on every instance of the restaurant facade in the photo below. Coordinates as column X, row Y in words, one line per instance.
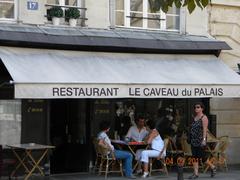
column 59, row 82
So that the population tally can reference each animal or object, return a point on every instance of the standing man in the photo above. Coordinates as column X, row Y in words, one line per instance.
column 138, row 132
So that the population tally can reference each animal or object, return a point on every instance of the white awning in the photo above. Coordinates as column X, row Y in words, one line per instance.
column 40, row 73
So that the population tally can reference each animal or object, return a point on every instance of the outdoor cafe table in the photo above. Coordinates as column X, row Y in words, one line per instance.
column 23, row 153
column 132, row 146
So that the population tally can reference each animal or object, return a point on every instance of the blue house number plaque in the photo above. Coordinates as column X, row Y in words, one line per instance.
column 31, row 5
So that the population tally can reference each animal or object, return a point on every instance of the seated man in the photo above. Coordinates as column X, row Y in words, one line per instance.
column 138, row 132
column 119, row 154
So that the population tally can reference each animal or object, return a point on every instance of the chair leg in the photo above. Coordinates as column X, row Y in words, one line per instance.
column 226, row 167
column 210, row 159
column 100, row 167
column 165, row 167
column 121, row 168
column 224, row 162
column 107, row 166
column 150, row 166
column 96, row 163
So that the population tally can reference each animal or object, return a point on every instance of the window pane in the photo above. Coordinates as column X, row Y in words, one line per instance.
column 154, row 21
column 173, row 10
column 173, row 22
column 6, row 10
column 150, row 9
column 136, row 20
column 120, row 18
column 136, row 5
column 52, row 1
column 71, row 2
column 119, row 4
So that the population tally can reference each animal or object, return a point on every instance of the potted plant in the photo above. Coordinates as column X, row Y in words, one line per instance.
column 56, row 13
column 72, row 14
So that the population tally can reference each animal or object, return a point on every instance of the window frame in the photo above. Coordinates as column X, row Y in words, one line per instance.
column 127, row 19
column 15, row 11
column 62, row 3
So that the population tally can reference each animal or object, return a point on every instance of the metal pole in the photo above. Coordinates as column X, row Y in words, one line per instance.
column 180, row 164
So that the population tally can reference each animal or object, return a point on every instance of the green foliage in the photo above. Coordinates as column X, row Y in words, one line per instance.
column 56, row 11
column 177, row 3
column 191, row 5
column 73, row 13
column 156, row 5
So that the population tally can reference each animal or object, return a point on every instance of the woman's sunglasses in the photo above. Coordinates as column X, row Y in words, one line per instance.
column 197, row 107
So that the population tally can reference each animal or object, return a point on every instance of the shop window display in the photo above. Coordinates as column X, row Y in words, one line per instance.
column 125, row 118
column 160, row 112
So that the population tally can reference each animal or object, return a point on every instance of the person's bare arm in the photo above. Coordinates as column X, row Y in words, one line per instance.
column 104, row 145
column 151, row 136
column 205, row 128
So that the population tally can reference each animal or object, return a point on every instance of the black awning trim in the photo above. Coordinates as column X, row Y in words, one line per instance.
column 36, row 40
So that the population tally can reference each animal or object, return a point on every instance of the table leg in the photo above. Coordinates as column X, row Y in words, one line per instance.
column 135, row 166
column 36, row 164
column 21, row 162
column 132, row 151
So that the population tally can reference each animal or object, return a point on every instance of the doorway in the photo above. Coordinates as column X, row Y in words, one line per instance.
column 68, row 133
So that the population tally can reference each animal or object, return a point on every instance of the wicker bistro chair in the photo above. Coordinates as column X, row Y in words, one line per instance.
column 218, row 154
column 222, row 158
column 211, row 137
column 173, row 151
column 106, row 161
column 187, row 152
column 159, row 159
column 98, row 155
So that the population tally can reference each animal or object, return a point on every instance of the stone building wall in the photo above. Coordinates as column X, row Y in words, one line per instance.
column 224, row 25
column 10, row 121
column 228, row 123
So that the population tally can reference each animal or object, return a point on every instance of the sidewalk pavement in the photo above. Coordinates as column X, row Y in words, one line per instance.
column 232, row 174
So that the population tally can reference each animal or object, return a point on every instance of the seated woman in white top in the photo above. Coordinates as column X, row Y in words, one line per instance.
column 138, row 132
column 157, row 147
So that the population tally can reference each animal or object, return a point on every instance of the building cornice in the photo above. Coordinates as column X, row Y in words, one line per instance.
column 234, row 3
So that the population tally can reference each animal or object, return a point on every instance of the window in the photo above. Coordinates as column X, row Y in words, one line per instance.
column 65, row 2
column 7, row 9
column 65, row 5
column 137, row 14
